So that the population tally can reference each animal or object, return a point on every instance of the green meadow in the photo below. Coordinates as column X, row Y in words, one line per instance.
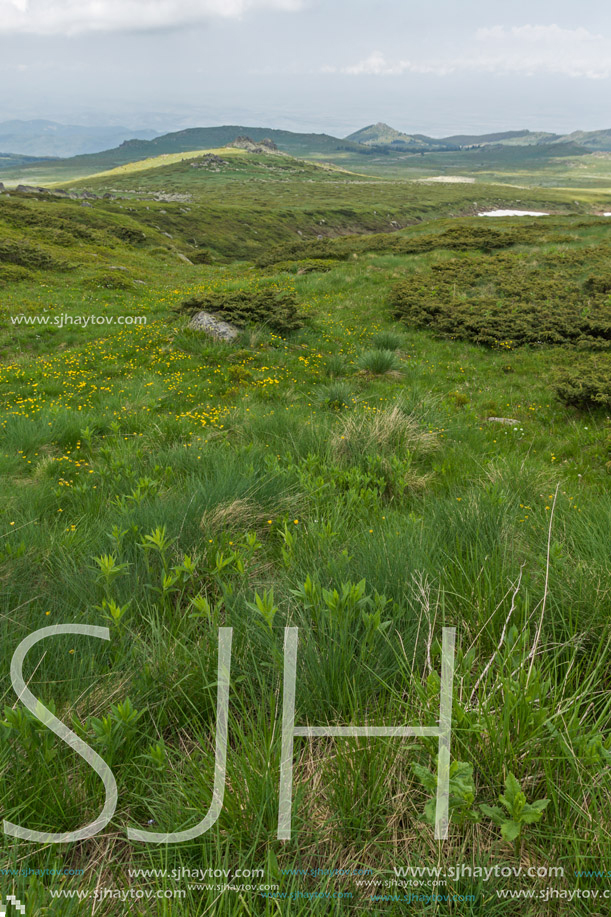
column 429, row 446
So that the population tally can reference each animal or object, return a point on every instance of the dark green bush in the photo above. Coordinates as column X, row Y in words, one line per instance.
column 587, row 385
column 12, row 273
column 115, row 280
column 29, row 256
column 506, row 300
column 202, row 256
column 129, row 235
column 598, row 285
column 275, row 309
column 324, row 249
column 305, row 266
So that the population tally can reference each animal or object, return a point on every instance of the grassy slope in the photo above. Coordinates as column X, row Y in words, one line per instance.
column 182, row 141
column 267, row 462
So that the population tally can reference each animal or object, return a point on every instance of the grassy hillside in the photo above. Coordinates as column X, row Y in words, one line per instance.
column 179, row 142
column 370, row 477
column 268, row 177
column 235, row 205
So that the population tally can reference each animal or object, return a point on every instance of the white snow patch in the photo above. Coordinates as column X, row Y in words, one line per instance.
column 449, row 179
column 513, row 213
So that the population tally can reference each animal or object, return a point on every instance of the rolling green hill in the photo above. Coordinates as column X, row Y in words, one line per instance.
column 203, row 138
column 591, row 140
column 382, row 135
column 16, row 161
column 519, row 138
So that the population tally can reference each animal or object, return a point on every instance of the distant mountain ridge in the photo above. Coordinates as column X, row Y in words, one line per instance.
column 49, row 139
column 375, row 141
column 382, row 135
column 118, row 145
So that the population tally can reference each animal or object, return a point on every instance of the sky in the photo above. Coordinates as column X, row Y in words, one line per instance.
column 436, row 67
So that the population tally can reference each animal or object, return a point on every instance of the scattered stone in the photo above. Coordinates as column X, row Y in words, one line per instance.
column 209, row 161
column 507, row 420
column 215, row 327
column 171, row 198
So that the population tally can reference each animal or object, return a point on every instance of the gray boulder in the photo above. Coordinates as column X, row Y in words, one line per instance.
column 215, row 327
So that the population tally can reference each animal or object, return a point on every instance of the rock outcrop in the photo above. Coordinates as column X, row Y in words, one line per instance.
column 60, row 192
column 260, row 146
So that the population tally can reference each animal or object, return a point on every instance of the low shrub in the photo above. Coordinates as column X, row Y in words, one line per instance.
column 129, row 235
column 202, row 256
column 587, row 385
column 115, row 280
column 29, row 256
column 505, row 301
column 318, row 251
column 12, row 273
column 305, row 266
column 275, row 309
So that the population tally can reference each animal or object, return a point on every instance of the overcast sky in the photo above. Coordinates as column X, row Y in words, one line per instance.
column 435, row 67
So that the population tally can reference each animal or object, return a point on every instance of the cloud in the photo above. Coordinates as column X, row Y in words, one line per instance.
column 549, row 49
column 51, row 17
column 378, row 65
column 525, row 50
column 537, row 34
